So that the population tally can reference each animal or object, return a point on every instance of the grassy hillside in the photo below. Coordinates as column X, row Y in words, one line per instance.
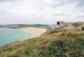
column 24, row 25
column 57, row 43
column 34, row 25
column 76, row 24
column 39, row 26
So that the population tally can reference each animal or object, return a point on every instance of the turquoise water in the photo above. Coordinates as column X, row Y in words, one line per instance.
column 11, row 35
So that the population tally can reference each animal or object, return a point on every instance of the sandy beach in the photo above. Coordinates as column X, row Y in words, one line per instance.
column 35, row 30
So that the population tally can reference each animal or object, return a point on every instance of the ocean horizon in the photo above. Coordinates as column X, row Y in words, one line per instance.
column 9, row 35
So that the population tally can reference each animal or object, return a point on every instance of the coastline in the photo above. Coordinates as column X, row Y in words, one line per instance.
column 35, row 30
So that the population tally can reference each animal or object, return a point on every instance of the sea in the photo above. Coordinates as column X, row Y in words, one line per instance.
column 9, row 35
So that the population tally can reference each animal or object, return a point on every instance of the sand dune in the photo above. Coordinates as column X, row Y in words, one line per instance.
column 35, row 30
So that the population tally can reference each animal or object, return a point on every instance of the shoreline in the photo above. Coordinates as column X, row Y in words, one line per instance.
column 35, row 30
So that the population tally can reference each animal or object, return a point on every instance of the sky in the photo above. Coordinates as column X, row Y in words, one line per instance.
column 40, row 11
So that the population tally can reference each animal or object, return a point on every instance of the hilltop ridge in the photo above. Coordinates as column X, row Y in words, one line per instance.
column 24, row 25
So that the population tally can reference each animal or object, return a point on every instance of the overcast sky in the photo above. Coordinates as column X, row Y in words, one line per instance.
column 40, row 11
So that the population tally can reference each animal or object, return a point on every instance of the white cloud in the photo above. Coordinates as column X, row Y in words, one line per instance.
column 39, row 11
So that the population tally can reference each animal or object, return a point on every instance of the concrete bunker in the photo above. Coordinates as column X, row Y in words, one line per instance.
column 60, row 22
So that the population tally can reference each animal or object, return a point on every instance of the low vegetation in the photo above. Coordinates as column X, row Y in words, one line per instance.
column 39, row 26
column 57, row 43
column 24, row 25
column 77, row 24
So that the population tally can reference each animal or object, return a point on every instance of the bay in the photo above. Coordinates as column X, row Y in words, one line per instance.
column 8, row 35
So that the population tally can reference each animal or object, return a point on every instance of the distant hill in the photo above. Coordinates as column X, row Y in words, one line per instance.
column 24, row 25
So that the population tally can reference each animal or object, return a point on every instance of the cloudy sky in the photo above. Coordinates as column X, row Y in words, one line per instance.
column 40, row 11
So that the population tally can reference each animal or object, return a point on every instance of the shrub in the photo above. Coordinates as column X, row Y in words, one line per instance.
column 77, row 24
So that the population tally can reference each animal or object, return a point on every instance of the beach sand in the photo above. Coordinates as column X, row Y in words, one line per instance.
column 35, row 30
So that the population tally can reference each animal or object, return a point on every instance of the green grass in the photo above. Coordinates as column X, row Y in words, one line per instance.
column 39, row 26
column 59, row 43
column 77, row 24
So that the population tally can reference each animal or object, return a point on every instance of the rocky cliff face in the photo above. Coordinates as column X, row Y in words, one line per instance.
column 65, row 25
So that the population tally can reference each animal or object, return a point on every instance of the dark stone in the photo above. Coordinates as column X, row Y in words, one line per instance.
column 58, row 23
column 73, row 56
column 81, row 56
column 82, row 28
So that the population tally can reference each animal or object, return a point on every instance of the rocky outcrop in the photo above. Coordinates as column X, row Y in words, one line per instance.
column 64, row 25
